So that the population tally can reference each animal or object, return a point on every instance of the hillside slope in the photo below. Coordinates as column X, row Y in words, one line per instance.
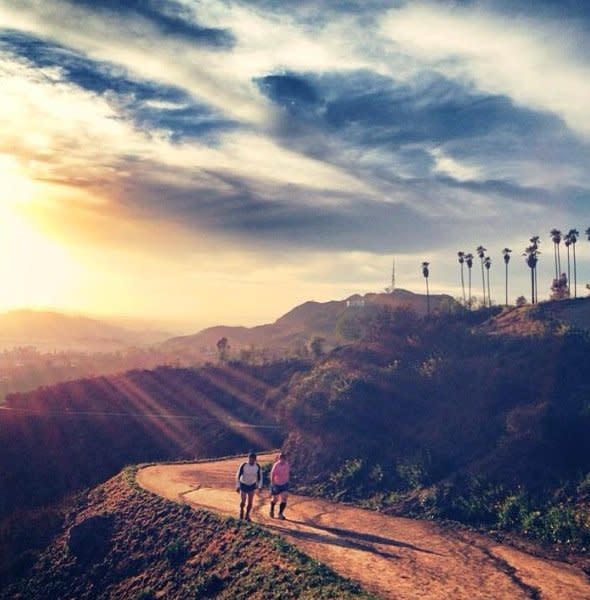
column 442, row 419
column 61, row 438
column 122, row 542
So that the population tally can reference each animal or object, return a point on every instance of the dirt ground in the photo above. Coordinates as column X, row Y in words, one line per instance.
column 392, row 557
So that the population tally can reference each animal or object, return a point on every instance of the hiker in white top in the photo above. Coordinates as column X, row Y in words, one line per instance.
column 248, row 478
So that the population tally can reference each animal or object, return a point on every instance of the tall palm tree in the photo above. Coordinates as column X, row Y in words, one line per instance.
column 506, row 254
column 469, row 263
column 426, row 273
column 461, row 256
column 487, row 262
column 573, row 234
column 535, row 241
column 568, row 242
column 531, row 254
column 556, row 237
column 481, row 252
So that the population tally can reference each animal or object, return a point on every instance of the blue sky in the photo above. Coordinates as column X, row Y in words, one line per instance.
column 206, row 162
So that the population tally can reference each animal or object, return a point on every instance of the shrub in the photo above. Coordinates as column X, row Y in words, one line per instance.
column 176, row 553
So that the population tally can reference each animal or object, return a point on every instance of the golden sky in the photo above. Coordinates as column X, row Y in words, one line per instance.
column 199, row 163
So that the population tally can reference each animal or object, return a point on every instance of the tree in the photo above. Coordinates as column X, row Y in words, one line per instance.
column 559, row 288
column 535, row 241
column 461, row 256
column 481, row 252
column 531, row 254
column 469, row 263
column 572, row 236
column 317, row 346
column 556, row 237
column 222, row 349
column 506, row 254
column 521, row 301
column 487, row 264
column 426, row 273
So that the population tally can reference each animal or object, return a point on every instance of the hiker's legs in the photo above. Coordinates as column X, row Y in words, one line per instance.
column 250, row 497
column 283, row 504
column 273, row 500
column 243, row 495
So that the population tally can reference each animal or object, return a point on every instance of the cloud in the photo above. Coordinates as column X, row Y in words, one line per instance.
column 533, row 61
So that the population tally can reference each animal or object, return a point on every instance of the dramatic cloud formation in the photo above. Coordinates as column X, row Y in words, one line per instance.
column 206, row 162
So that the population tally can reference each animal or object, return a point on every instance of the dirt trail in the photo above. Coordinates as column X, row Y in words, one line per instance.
column 392, row 557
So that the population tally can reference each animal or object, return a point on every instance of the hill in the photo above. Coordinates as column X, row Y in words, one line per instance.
column 118, row 541
column 56, row 331
column 442, row 419
column 291, row 333
column 65, row 437
column 543, row 318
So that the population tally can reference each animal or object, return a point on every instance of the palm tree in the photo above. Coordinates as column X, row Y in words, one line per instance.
column 531, row 253
column 556, row 237
column 461, row 256
column 535, row 241
column 487, row 261
column 568, row 242
column 469, row 263
column 481, row 251
column 573, row 234
column 426, row 273
column 506, row 254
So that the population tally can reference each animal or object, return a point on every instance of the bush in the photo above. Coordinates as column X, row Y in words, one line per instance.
column 176, row 553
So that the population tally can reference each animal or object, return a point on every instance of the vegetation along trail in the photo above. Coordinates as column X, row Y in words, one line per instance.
column 392, row 557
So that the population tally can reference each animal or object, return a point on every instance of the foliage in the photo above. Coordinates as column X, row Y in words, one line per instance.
column 176, row 553
column 204, row 556
column 403, row 416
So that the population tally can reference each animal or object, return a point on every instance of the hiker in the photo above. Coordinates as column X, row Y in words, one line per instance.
column 248, row 478
column 279, row 485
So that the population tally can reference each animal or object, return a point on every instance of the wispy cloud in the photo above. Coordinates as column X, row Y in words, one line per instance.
column 364, row 128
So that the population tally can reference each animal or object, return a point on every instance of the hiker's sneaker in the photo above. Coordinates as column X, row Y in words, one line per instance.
column 282, row 517
column 248, row 518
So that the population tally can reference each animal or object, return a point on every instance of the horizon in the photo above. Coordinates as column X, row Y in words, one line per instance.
column 218, row 163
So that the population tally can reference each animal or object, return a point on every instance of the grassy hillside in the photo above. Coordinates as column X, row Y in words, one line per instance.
column 440, row 418
column 62, row 438
column 118, row 541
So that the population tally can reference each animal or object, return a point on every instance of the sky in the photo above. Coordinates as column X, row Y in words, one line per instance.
column 193, row 163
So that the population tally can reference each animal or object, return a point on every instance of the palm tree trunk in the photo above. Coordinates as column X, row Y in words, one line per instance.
column 427, row 298
column 555, row 259
column 483, row 283
column 569, row 292
column 469, row 272
column 575, row 274
column 463, row 283
column 506, row 283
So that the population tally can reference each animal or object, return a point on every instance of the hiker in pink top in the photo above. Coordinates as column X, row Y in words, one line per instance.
column 279, row 485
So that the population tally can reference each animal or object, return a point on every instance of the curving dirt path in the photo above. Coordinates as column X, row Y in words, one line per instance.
column 392, row 557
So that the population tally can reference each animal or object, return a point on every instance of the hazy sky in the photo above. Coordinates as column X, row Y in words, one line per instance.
column 220, row 162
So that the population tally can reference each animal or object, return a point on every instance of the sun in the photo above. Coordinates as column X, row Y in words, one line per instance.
column 36, row 271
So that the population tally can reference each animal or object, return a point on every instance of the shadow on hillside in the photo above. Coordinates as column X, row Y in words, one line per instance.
column 347, row 538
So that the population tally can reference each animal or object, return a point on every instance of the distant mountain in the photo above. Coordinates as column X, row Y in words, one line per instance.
column 303, row 322
column 56, row 331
